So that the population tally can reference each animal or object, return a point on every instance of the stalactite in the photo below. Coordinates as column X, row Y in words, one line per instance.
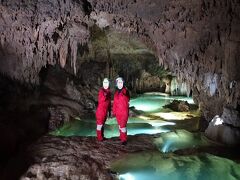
column 180, row 87
column 63, row 52
column 74, row 55
column 185, row 38
column 34, row 42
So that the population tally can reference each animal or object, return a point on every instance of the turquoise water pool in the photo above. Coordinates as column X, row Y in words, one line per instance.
column 157, row 166
column 141, row 124
column 172, row 135
column 154, row 103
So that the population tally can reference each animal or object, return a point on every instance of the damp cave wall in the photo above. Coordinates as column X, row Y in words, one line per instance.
column 198, row 41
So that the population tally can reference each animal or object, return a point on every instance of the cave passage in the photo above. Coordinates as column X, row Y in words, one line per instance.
column 179, row 61
column 147, row 116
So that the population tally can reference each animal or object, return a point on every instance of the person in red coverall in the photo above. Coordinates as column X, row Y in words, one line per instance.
column 104, row 106
column 121, row 108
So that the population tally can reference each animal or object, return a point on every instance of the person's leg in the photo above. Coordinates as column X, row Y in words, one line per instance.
column 99, row 130
column 102, row 130
column 123, row 134
column 122, row 122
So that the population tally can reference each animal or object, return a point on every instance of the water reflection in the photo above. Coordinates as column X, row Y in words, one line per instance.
column 161, row 164
column 156, row 166
column 150, row 121
column 180, row 139
column 154, row 103
column 87, row 128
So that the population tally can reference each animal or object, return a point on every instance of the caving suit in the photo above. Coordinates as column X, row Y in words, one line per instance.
column 104, row 105
column 121, row 111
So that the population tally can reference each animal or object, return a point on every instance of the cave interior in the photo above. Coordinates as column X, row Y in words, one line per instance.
column 179, row 61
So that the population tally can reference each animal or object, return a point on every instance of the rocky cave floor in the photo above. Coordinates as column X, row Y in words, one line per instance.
column 196, row 41
column 58, row 157
column 53, row 156
column 85, row 158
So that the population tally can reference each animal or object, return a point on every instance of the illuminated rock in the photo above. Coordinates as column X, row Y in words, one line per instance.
column 231, row 116
column 198, row 42
column 180, row 106
column 223, row 133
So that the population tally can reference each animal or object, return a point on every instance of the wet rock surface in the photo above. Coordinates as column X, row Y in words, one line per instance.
column 225, row 128
column 231, row 117
column 180, row 106
column 198, row 41
column 79, row 157
column 221, row 151
column 29, row 111
column 57, row 118
column 67, row 92
column 85, row 158
column 190, row 39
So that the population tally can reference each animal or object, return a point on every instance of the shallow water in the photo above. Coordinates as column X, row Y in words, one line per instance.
column 156, row 166
column 154, row 103
column 149, row 122
column 180, row 139
column 173, row 129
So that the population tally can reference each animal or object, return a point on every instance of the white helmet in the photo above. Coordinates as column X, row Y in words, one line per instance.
column 119, row 82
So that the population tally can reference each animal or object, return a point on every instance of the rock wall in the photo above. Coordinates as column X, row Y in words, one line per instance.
column 36, row 33
column 225, row 129
column 197, row 40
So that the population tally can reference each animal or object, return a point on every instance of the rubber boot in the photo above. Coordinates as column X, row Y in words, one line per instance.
column 120, row 135
column 99, row 135
column 123, row 136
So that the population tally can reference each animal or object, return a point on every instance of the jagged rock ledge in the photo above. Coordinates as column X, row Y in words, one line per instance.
column 82, row 158
column 79, row 157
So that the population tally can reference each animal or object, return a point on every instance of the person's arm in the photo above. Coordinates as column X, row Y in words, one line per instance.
column 128, row 95
column 101, row 96
column 125, row 92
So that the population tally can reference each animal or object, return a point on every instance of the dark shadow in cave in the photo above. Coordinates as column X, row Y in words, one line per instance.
column 21, row 124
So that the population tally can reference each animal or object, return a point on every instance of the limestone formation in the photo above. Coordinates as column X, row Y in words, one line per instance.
column 225, row 129
column 180, row 106
column 78, row 157
column 198, row 41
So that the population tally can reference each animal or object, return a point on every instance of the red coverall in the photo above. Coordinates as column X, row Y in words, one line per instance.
column 121, row 111
column 104, row 104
